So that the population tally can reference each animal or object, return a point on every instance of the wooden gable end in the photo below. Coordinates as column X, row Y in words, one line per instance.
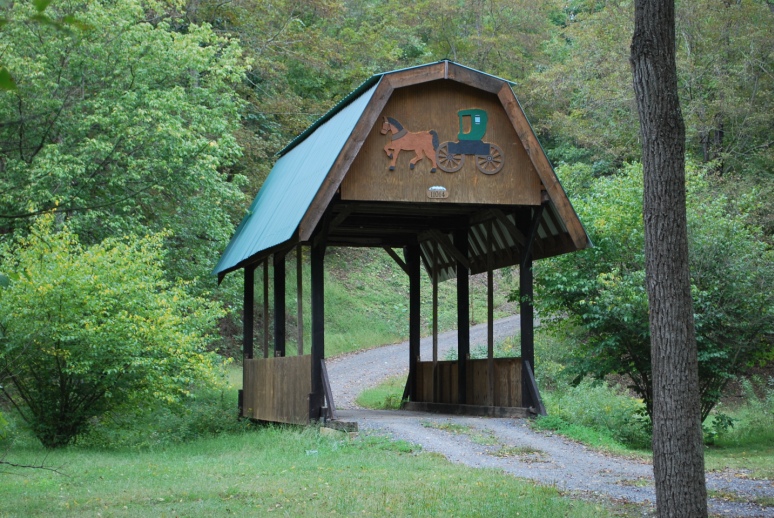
column 450, row 143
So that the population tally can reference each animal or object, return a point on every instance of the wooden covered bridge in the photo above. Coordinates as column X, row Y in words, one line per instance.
column 438, row 165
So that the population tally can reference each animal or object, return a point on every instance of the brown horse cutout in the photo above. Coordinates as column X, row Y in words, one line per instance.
column 422, row 143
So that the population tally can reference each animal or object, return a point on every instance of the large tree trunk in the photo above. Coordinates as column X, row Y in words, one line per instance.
column 678, row 460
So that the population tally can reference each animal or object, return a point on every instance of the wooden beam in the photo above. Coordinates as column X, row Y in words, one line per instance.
column 300, row 297
column 341, row 216
column 515, row 233
column 316, row 397
column 490, row 315
column 348, row 153
column 248, row 311
column 266, row 308
column 413, row 263
column 435, row 300
column 279, row 305
column 463, row 313
column 543, row 167
column 475, row 79
column 413, row 76
column 451, row 248
column 397, row 259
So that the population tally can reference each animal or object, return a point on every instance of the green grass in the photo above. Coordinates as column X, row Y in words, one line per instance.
column 288, row 471
column 385, row 396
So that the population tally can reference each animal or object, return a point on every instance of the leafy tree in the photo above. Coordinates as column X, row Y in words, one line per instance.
column 603, row 288
column 582, row 98
column 89, row 329
column 122, row 127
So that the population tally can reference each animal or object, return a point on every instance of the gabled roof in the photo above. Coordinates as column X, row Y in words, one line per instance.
column 294, row 180
column 302, row 187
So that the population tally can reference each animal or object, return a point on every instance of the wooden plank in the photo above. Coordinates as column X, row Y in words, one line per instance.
column 534, row 390
column 277, row 389
column 471, row 410
column 434, row 107
column 543, row 167
column 330, row 405
column 412, row 76
column 342, row 164
column 475, row 79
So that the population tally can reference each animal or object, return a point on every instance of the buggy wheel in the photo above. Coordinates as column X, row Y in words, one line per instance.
column 491, row 163
column 449, row 162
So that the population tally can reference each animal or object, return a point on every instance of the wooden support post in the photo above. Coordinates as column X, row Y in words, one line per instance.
column 300, row 297
column 435, row 301
column 413, row 264
column 266, row 308
column 249, row 309
column 527, row 311
column 436, row 262
column 318, row 329
column 279, row 305
column 489, row 315
column 463, row 314
column 527, row 328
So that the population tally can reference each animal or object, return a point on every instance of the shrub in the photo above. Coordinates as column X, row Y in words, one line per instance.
column 88, row 330
column 601, row 407
column 602, row 289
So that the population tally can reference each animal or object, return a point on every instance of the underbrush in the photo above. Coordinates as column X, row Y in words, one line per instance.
column 387, row 395
column 599, row 414
column 207, row 413
column 743, row 437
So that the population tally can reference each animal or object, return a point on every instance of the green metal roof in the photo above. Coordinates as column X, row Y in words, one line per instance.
column 293, row 182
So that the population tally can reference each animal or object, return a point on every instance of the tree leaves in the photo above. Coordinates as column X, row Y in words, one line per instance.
column 102, row 326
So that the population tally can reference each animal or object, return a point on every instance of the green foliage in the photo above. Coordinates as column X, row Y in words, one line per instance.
column 602, row 289
column 122, row 127
column 749, row 444
column 718, row 425
column 602, row 408
column 210, row 412
column 89, row 329
column 387, row 395
column 582, row 96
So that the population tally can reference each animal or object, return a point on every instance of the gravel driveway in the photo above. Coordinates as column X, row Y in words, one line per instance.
column 511, row 445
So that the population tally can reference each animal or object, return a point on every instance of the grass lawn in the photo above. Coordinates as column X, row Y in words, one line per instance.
column 755, row 456
column 271, row 471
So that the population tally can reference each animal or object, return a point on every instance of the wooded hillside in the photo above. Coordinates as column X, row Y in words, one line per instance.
column 163, row 117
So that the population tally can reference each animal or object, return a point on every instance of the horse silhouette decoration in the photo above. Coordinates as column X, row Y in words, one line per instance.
column 422, row 143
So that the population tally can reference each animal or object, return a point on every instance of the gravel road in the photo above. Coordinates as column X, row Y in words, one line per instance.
column 511, row 445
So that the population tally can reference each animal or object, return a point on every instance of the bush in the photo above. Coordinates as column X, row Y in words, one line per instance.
column 208, row 413
column 602, row 289
column 89, row 330
column 600, row 407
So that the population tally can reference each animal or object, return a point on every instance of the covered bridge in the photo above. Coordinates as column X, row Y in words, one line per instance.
column 438, row 165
